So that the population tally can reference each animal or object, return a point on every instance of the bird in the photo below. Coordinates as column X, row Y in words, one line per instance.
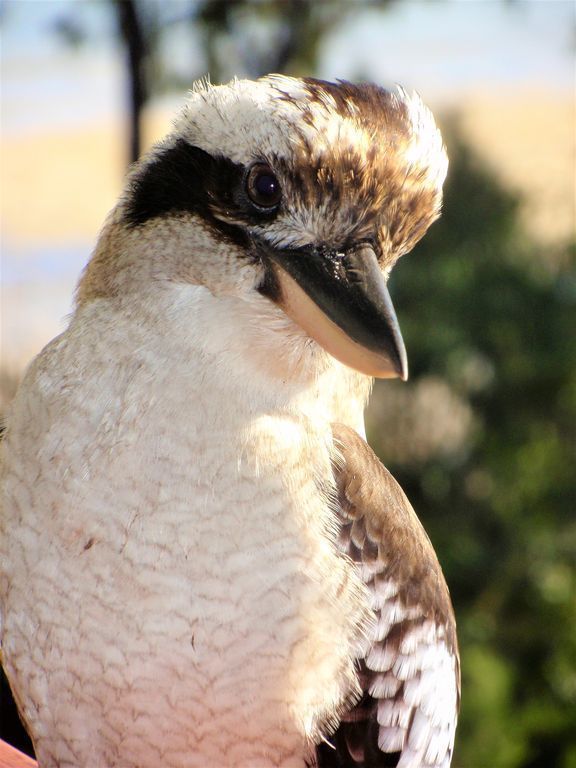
column 203, row 563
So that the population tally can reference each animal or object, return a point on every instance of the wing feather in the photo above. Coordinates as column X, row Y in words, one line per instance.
column 410, row 675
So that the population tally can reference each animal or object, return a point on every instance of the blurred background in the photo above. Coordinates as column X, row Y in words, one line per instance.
column 483, row 436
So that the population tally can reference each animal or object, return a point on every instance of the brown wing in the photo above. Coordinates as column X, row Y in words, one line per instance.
column 411, row 674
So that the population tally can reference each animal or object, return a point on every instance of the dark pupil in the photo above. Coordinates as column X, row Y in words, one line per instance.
column 266, row 185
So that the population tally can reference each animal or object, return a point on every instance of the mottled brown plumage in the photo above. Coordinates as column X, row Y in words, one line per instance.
column 380, row 188
column 381, row 533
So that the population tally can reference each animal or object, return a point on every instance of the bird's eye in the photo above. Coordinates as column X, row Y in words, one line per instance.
column 262, row 186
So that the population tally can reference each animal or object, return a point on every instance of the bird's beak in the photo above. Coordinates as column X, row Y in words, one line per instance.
column 341, row 300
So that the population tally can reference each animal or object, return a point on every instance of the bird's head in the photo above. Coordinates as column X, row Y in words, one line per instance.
column 294, row 196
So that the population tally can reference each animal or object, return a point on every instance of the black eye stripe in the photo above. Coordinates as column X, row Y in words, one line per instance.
column 186, row 179
column 181, row 178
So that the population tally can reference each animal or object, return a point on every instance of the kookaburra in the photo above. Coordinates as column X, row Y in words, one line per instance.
column 202, row 561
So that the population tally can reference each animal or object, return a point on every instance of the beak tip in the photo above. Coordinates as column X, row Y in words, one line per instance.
column 404, row 368
column 402, row 371
column 401, row 358
column 392, row 368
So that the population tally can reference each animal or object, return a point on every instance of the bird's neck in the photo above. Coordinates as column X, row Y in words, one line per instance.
column 248, row 354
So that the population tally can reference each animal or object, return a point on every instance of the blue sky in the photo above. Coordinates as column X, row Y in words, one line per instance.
column 454, row 45
column 443, row 48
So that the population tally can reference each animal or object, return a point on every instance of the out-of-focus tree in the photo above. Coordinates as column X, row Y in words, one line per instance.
column 133, row 37
column 227, row 38
column 482, row 440
column 255, row 38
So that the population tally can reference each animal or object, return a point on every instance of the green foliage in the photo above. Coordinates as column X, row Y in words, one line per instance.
column 482, row 308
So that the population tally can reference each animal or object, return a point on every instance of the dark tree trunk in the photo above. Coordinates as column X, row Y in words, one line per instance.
column 130, row 27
